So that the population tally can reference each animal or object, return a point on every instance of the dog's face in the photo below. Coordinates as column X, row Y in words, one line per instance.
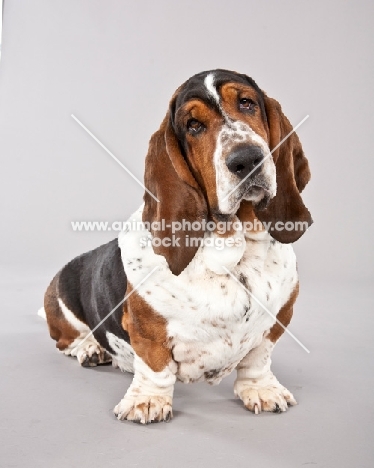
column 224, row 149
column 220, row 121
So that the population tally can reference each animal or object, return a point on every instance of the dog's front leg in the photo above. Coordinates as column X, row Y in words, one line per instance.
column 257, row 386
column 150, row 395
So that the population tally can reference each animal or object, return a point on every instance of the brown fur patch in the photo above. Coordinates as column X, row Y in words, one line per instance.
column 247, row 214
column 231, row 93
column 201, row 147
column 147, row 331
column 284, row 316
column 59, row 328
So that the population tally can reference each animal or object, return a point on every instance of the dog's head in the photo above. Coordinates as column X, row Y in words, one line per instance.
column 220, row 149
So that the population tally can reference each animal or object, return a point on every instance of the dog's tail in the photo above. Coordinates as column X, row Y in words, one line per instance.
column 41, row 313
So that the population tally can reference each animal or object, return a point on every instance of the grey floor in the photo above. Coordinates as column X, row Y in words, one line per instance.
column 56, row 414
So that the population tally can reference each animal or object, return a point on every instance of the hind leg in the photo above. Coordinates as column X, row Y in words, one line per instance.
column 72, row 336
column 87, row 351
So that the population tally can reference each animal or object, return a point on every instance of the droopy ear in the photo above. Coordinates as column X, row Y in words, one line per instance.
column 292, row 173
column 169, row 178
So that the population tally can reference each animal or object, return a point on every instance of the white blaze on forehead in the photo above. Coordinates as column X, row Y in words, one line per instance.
column 212, row 92
column 209, row 84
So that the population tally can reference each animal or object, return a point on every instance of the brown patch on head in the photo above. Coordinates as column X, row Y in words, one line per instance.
column 59, row 328
column 147, row 331
column 199, row 146
column 231, row 96
column 284, row 317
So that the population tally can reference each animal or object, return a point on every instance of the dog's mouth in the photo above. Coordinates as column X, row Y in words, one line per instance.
column 259, row 195
column 254, row 193
column 257, row 191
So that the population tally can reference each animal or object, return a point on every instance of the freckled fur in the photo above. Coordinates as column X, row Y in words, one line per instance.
column 190, row 333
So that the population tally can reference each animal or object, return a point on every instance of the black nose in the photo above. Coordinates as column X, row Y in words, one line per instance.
column 244, row 159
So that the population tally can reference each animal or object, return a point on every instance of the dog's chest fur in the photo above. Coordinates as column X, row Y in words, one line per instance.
column 213, row 319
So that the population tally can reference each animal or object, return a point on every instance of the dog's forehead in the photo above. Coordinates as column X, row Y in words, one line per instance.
column 205, row 86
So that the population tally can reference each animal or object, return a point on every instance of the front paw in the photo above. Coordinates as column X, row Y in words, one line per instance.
column 144, row 409
column 265, row 394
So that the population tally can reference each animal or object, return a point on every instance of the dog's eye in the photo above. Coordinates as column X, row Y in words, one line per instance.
column 194, row 126
column 247, row 105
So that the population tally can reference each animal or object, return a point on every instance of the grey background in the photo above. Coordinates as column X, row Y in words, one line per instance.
column 115, row 65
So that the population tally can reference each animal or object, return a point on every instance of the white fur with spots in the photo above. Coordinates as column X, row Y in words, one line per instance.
column 123, row 356
column 212, row 321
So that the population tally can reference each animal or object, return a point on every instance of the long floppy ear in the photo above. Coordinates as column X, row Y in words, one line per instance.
column 170, row 180
column 292, row 173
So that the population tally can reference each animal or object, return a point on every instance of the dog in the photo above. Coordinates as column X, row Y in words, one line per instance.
column 206, row 281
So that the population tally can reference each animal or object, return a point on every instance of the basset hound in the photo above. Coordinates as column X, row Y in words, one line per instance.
column 208, row 275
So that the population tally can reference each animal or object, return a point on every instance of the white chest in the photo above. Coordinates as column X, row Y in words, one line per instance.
column 213, row 319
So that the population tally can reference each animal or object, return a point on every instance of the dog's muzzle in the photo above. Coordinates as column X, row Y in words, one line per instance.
column 248, row 162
